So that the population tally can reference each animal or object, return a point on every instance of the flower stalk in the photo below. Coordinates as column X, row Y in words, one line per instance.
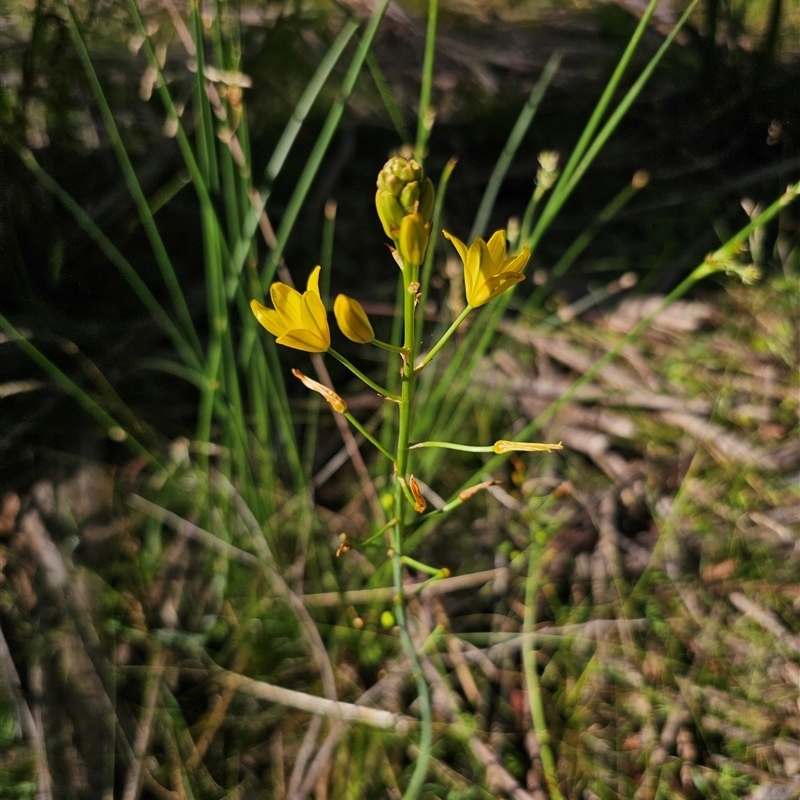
column 405, row 202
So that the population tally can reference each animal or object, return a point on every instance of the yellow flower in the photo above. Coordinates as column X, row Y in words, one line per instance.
column 352, row 319
column 487, row 271
column 298, row 320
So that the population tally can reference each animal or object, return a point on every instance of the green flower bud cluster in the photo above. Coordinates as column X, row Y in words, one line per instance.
column 404, row 201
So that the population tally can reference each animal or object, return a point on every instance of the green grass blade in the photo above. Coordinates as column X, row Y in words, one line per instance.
column 276, row 162
column 385, row 91
column 584, row 239
column 514, row 140
column 200, row 185
column 624, row 105
column 602, row 104
column 72, row 389
column 430, row 255
column 320, row 148
column 146, row 216
column 425, row 120
column 109, row 249
column 583, row 155
column 204, row 125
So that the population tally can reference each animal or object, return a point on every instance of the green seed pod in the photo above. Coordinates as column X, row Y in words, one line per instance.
column 413, row 239
column 409, row 196
column 427, row 195
column 389, row 211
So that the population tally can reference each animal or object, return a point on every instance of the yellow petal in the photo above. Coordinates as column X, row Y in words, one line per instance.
column 313, row 282
column 270, row 319
column 459, row 245
column 314, row 317
column 493, row 287
column 287, row 302
column 301, row 339
column 518, row 262
column 472, row 268
column 352, row 319
column 497, row 246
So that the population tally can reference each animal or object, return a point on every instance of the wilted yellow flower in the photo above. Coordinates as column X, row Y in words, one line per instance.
column 487, row 271
column 298, row 320
column 335, row 401
column 420, row 504
column 507, row 446
column 352, row 319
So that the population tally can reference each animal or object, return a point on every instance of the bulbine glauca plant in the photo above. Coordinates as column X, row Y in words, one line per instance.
column 404, row 201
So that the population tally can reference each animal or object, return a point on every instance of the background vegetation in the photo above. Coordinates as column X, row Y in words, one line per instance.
column 156, row 604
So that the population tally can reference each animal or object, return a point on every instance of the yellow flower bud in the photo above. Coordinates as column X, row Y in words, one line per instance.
column 390, row 212
column 426, row 197
column 352, row 319
column 413, row 239
column 409, row 196
column 506, row 446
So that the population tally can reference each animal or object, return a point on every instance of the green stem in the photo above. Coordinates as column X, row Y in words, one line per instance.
column 466, row 448
column 404, row 428
column 443, row 341
column 359, row 374
column 436, row 572
column 392, row 348
column 367, row 435
column 532, row 680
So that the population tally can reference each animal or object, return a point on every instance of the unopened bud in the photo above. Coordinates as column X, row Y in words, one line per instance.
column 426, row 197
column 352, row 319
column 413, row 239
column 390, row 212
column 409, row 196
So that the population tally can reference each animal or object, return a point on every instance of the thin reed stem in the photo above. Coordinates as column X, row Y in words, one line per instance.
column 532, row 678
column 425, row 118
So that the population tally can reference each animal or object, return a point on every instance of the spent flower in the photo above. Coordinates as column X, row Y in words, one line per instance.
column 333, row 399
